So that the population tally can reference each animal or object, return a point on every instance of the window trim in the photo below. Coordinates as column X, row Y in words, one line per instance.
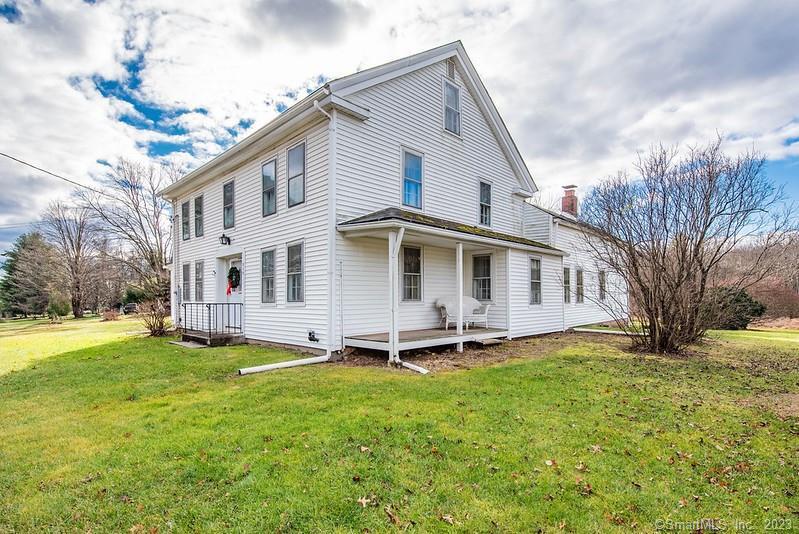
column 289, row 148
column 302, row 272
column 273, row 250
column 273, row 160
column 540, row 280
column 199, row 296
column 579, row 285
column 421, row 275
column 490, row 184
column 567, row 288
column 185, row 288
column 202, row 216
column 491, row 276
column 602, row 285
column 420, row 154
column 225, row 227
column 185, row 222
column 444, row 81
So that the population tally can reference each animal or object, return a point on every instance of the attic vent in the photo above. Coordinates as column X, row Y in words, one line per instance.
column 451, row 68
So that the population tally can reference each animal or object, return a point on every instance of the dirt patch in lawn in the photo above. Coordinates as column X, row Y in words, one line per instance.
column 446, row 358
column 784, row 405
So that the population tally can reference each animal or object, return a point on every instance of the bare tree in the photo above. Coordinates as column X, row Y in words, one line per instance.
column 667, row 230
column 137, row 220
column 71, row 232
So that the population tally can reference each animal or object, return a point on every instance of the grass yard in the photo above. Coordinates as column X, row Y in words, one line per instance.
column 105, row 431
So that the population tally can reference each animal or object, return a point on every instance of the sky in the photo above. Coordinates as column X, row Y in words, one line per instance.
column 582, row 86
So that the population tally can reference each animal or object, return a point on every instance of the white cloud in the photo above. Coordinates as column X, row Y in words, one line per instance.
column 582, row 86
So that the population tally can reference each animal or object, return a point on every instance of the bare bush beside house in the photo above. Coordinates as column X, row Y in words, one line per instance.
column 155, row 317
column 669, row 229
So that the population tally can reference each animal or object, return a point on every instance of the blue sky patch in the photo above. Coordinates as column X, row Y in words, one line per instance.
column 10, row 12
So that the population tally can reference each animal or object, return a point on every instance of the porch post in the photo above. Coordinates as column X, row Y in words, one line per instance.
column 459, row 285
column 393, row 282
column 507, row 291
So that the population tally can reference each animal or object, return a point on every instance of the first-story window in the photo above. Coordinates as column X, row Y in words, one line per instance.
column 184, row 220
column 269, row 188
column 411, row 274
column 481, row 277
column 296, row 174
column 228, row 212
column 198, row 281
column 186, row 282
column 198, row 216
column 268, row 276
column 411, row 179
column 580, row 292
column 485, row 203
column 294, row 274
column 535, row 281
column 567, row 285
column 602, row 287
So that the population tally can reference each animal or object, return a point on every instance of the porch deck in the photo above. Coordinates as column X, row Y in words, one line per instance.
column 428, row 337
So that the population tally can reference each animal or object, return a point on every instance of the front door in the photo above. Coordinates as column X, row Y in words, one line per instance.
column 232, row 312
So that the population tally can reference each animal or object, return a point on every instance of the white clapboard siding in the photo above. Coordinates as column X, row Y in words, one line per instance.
column 527, row 319
column 591, row 310
column 537, row 223
column 408, row 112
column 280, row 322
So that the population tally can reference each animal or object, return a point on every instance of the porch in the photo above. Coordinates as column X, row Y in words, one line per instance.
column 426, row 337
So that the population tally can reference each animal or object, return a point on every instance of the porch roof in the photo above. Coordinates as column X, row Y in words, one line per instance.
column 378, row 218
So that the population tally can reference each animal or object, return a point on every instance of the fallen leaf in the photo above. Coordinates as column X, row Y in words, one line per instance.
column 581, row 467
column 596, row 449
column 448, row 519
column 683, row 502
column 364, row 448
column 363, row 501
column 391, row 515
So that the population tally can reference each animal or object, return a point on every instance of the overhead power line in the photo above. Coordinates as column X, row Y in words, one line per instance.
column 55, row 175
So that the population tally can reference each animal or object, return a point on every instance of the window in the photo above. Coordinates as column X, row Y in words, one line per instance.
column 452, row 108
column 411, row 179
column 268, row 188
column 184, row 220
column 198, row 281
column 411, row 274
column 228, row 213
column 186, row 282
column 294, row 290
column 580, row 286
column 296, row 165
column 567, row 285
column 535, row 281
column 481, row 277
column 485, row 204
column 268, row 276
column 198, row 216
column 602, row 285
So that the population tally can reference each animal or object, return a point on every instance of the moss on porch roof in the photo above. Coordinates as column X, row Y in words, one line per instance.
column 397, row 214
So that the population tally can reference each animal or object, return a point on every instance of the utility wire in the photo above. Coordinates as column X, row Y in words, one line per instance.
column 69, row 180
column 17, row 225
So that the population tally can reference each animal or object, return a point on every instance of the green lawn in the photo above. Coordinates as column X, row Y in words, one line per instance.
column 110, row 432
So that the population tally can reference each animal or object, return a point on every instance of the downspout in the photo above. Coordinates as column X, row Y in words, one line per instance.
column 176, row 268
column 554, row 230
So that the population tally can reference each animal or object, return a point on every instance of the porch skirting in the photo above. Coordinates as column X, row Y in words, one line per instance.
column 429, row 337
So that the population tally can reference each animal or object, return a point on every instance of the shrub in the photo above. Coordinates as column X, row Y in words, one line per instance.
column 155, row 317
column 133, row 295
column 58, row 306
column 729, row 308
column 110, row 315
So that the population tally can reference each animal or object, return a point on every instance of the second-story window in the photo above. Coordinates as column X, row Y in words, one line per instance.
column 485, row 203
column 198, row 216
column 411, row 179
column 296, row 173
column 268, row 188
column 228, row 213
column 184, row 220
column 452, row 108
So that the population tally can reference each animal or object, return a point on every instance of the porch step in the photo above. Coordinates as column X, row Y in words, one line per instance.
column 217, row 340
column 489, row 342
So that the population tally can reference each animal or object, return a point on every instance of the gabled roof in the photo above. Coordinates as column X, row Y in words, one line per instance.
column 333, row 95
column 400, row 215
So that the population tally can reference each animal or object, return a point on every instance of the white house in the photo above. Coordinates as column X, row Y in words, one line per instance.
column 352, row 213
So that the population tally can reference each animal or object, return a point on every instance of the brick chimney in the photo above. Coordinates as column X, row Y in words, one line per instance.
column 568, row 204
